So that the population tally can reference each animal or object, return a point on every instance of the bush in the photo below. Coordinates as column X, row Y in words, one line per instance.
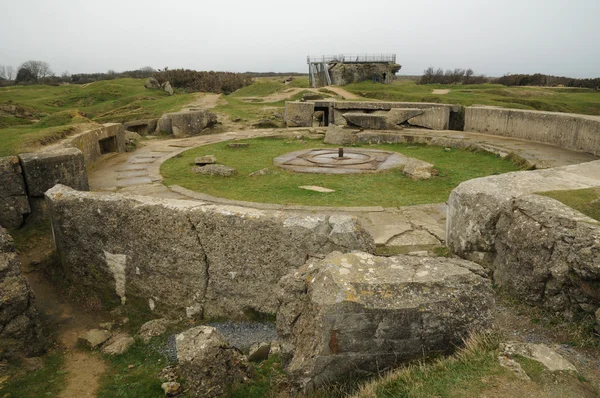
column 539, row 79
column 451, row 76
column 210, row 82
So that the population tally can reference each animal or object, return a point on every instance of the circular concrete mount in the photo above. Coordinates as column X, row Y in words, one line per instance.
column 327, row 161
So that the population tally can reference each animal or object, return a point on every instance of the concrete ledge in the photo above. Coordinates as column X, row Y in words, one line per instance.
column 567, row 130
column 43, row 170
column 184, row 258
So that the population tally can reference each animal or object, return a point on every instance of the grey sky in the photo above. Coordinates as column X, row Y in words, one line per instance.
column 493, row 37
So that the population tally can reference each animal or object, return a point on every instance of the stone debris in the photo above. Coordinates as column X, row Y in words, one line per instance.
column 166, row 86
column 153, row 328
column 419, row 169
column 360, row 314
column 209, row 364
column 316, row 188
column 118, row 344
column 215, row 170
column 206, row 159
column 259, row 352
column 338, row 136
column 94, row 338
column 152, row 83
column 182, row 124
column 538, row 352
column 513, row 365
column 238, row 145
column 171, row 388
column 261, row 172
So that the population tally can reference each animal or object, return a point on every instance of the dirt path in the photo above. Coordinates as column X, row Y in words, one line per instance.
column 204, row 101
column 345, row 94
column 65, row 323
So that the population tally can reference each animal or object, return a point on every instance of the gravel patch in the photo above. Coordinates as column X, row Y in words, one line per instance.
column 242, row 335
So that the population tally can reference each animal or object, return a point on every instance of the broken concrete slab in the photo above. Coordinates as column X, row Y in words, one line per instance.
column 337, row 135
column 361, row 314
column 299, row 114
column 371, row 121
column 316, row 188
column 182, row 124
column 418, row 169
column 206, row 159
column 397, row 116
column 94, row 338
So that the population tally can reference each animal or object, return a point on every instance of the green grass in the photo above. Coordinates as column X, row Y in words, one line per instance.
column 140, row 381
column 388, row 189
column 586, row 201
column 585, row 101
column 62, row 107
column 46, row 382
column 268, row 376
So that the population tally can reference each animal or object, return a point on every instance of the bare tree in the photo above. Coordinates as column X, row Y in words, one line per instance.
column 7, row 72
column 38, row 69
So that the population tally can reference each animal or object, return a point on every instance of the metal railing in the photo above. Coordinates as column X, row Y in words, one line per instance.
column 353, row 58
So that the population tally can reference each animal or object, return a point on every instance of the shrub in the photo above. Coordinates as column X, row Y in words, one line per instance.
column 211, row 82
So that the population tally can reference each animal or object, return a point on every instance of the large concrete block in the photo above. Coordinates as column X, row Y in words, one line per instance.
column 299, row 114
column 181, row 124
column 186, row 258
column 433, row 118
column 371, row 121
column 361, row 314
column 13, row 198
column 99, row 141
column 43, row 170
column 20, row 332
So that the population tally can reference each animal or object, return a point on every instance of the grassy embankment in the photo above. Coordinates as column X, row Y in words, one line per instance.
column 54, row 112
column 586, row 201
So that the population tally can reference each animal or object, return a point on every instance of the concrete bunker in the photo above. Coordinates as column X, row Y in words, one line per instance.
column 108, row 145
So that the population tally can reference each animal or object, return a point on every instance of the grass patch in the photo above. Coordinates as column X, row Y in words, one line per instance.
column 586, row 201
column 269, row 377
column 462, row 375
column 390, row 189
column 46, row 382
column 141, row 380
column 27, row 238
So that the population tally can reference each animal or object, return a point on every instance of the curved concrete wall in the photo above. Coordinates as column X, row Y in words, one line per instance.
column 188, row 258
column 567, row 130
column 538, row 248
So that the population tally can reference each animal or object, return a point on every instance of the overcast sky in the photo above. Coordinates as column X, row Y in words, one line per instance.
column 493, row 37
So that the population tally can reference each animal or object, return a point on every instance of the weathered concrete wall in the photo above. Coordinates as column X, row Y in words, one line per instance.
column 360, row 314
column 142, row 127
column 43, row 170
column 14, row 205
column 20, row 333
column 342, row 73
column 494, row 222
column 299, row 114
column 182, row 124
column 434, row 116
column 88, row 142
column 571, row 131
column 183, row 257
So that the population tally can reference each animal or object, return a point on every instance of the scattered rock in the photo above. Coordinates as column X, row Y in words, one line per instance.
column 118, row 344
column 237, row 119
column 33, row 364
column 419, row 169
column 447, row 149
column 238, row 145
column 513, row 365
column 167, row 87
column 170, row 373
column 171, row 388
column 266, row 124
column 261, row 172
column 215, row 170
column 204, row 160
column 259, row 352
column 275, row 348
column 316, row 188
column 400, row 308
column 94, row 338
column 538, row 352
column 338, row 136
column 130, row 366
column 153, row 328
column 208, row 362
column 107, row 326
column 152, row 83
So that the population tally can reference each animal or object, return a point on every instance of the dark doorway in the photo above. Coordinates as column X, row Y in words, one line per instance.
column 108, row 145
